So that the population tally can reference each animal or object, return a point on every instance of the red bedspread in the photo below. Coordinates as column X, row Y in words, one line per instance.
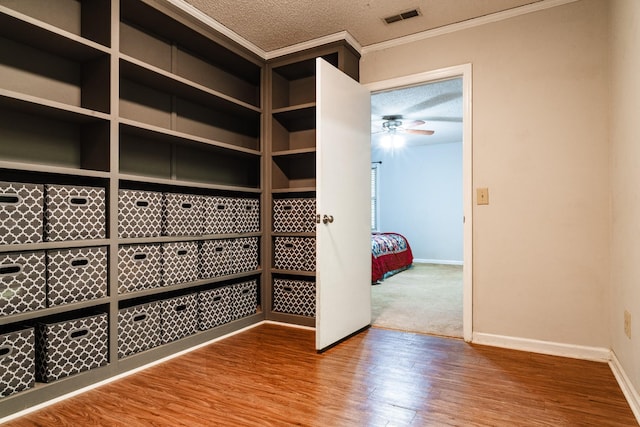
column 389, row 252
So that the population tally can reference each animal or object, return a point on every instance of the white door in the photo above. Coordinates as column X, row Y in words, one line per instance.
column 343, row 168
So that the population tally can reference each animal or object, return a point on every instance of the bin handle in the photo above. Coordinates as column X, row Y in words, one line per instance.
column 78, row 333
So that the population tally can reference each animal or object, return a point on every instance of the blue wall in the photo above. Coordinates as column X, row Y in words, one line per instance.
column 420, row 196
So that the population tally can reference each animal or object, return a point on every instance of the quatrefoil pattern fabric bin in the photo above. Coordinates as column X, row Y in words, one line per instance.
column 74, row 213
column 294, row 215
column 245, row 299
column 69, row 347
column 74, row 275
column 22, row 282
column 139, row 267
column 21, row 213
column 139, row 213
column 214, row 307
column 179, row 262
column 295, row 253
column 294, row 297
column 179, row 317
column 17, row 361
column 139, row 328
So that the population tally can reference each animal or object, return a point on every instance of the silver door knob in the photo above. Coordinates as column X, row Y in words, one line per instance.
column 327, row 219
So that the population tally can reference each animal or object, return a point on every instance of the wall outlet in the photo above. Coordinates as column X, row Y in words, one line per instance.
column 627, row 324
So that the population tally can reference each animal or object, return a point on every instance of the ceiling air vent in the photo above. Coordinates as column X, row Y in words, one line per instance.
column 402, row 16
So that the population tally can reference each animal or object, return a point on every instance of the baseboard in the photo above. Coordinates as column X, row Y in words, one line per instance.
column 598, row 354
column 629, row 391
column 288, row 325
column 437, row 261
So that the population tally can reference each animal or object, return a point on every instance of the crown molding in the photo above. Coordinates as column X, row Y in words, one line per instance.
column 471, row 23
column 212, row 23
column 340, row 36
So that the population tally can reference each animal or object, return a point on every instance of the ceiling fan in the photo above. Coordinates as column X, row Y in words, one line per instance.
column 393, row 124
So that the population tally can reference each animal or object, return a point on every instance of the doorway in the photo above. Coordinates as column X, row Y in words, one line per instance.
column 423, row 118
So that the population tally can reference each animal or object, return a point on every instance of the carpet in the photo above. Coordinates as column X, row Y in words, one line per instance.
column 426, row 298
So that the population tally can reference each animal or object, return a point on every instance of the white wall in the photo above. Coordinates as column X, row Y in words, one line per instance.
column 625, row 181
column 420, row 196
column 540, row 144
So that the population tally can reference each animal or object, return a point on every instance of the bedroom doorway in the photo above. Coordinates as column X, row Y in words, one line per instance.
column 421, row 189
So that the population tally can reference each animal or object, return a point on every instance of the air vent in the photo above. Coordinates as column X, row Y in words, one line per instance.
column 402, row 16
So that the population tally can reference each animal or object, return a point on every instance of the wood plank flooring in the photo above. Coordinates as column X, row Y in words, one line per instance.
column 271, row 376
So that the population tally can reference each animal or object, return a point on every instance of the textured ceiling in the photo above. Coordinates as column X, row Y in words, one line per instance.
column 439, row 104
column 275, row 24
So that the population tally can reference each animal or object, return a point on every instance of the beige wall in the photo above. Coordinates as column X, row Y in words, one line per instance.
column 540, row 91
column 625, row 180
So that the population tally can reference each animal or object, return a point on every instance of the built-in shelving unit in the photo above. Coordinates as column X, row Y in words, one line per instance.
column 126, row 95
column 291, row 176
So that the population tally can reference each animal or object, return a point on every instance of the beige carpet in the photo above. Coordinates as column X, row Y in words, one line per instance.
column 427, row 298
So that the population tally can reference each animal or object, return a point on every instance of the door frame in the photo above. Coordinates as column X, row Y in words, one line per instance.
column 465, row 72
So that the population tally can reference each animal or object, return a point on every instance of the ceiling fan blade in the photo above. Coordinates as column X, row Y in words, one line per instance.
column 413, row 123
column 419, row 131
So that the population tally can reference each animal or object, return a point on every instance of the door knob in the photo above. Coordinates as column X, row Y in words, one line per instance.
column 327, row 219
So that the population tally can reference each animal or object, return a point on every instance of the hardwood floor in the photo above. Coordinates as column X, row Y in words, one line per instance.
column 271, row 376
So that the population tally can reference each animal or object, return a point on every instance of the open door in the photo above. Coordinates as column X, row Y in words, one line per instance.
column 343, row 173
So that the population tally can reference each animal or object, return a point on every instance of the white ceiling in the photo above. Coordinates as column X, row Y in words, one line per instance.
column 275, row 24
column 438, row 104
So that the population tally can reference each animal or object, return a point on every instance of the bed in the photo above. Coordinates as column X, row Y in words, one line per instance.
column 390, row 254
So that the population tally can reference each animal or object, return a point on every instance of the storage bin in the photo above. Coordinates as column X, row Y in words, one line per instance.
column 139, row 267
column 139, row 214
column 294, row 297
column 73, row 213
column 179, row 317
column 294, row 215
column 139, row 328
column 245, row 299
column 214, row 307
column 182, row 215
column 21, row 213
column 23, row 283
column 245, row 254
column 216, row 258
column 219, row 215
column 179, row 262
column 78, row 274
column 247, row 215
column 71, row 346
column 295, row 253
column 17, row 361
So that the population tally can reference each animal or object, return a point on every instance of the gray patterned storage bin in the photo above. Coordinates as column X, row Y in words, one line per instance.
column 139, row 267
column 216, row 258
column 248, row 215
column 214, row 307
column 139, row 328
column 17, row 361
column 295, row 215
column 219, row 215
column 76, row 275
column 245, row 254
column 294, row 297
column 179, row 262
column 295, row 253
column 69, row 347
column 22, row 282
column 139, row 214
column 179, row 317
column 21, row 213
column 182, row 215
column 245, row 299
column 73, row 213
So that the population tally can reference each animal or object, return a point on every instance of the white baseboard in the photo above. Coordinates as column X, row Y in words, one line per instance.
column 436, row 261
column 599, row 354
column 628, row 390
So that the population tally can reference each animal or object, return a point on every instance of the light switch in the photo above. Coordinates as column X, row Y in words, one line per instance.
column 482, row 196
